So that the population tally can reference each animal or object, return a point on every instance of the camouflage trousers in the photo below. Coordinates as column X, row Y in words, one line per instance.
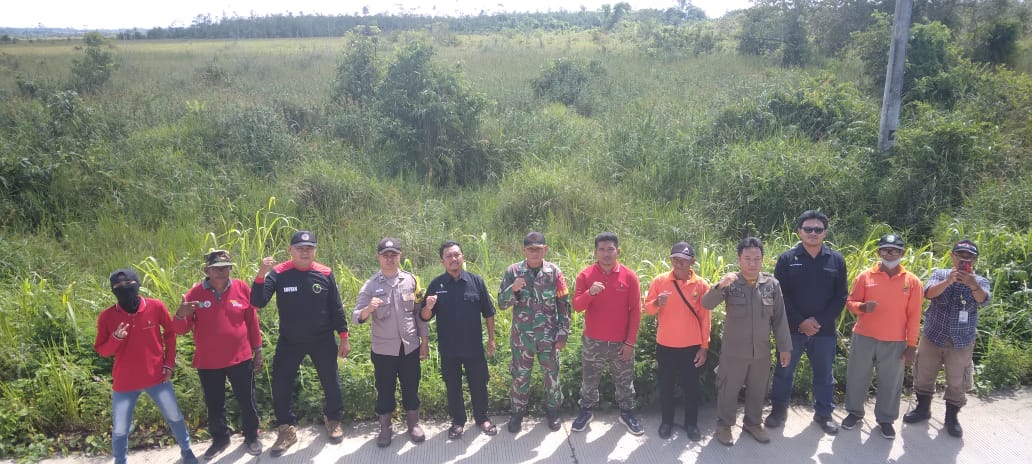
column 525, row 348
column 595, row 354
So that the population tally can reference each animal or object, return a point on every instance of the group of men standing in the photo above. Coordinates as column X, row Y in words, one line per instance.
column 799, row 304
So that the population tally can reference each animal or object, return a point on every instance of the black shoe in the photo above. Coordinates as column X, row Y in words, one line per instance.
column 665, row 430
column 555, row 422
column 921, row 412
column 692, row 432
column 887, row 430
column 827, row 424
column 850, row 421
column 952, row 424
column 581, row 422
column 777, row 416
column 216, row 447
column 628, row 420
column 516, row 422
column 253, row 447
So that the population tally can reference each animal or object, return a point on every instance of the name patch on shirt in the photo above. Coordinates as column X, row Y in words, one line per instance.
column 289, row 289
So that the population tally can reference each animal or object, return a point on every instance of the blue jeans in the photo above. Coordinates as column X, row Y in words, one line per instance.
column 124, row 403
column 821, row 352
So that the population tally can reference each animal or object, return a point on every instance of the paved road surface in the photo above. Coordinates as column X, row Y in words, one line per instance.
column 997, row 429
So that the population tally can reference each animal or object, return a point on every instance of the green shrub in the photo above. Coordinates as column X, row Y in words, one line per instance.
column 571, row 82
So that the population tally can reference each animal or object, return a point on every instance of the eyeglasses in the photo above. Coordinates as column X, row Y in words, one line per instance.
column 813, row 230
column 890, row 251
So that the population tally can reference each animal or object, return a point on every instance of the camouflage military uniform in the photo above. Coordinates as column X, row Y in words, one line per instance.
column 540, row 318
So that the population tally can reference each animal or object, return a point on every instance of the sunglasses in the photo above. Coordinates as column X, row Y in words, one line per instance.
column 813, row 230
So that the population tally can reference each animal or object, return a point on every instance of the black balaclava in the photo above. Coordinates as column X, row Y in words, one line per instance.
column 129, row 295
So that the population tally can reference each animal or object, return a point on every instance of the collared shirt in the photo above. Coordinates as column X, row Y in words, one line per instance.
column 308, row 301
column 813, row 287
column 678, row 325
column 542, row 308
column 751, row 313
column 943, row 317
column 897, row 317
column 615, row 313
column 225, row 327
column 148, row 347
column 396, row 324
column 461, row 303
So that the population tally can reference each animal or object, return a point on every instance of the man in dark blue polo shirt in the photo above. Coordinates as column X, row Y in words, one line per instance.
column 459, row 299
column 813, row 281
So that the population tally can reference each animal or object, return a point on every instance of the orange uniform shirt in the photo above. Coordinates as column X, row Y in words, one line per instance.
column 898, row 314
column 678, row 326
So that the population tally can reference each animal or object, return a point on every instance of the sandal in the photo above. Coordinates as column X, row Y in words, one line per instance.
column 455, row 432
column 488, row 428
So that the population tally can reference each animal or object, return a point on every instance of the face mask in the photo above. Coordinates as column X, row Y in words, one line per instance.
column 128, row 297
column 891, row 264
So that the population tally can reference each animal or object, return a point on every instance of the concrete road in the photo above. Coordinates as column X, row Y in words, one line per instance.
column 997, row 429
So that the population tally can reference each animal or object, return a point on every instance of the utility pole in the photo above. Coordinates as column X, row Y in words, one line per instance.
column 894, row 75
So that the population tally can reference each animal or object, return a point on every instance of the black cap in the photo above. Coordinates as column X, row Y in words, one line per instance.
column 303, row 238
column 123, row 274
column 534, row 239
column 218, row 258
column 388, row 244
column 891, row 241
column 966, row 245
column 682, row 250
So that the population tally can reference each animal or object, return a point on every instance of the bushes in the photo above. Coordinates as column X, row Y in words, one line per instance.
column 573, row 83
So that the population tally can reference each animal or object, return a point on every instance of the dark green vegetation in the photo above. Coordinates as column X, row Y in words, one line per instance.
column 148, row 153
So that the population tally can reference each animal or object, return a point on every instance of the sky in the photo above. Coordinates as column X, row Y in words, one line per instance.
column 118, row 14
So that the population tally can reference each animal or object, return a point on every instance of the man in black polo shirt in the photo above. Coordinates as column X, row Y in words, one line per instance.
column 459, row 299
column 813, row 283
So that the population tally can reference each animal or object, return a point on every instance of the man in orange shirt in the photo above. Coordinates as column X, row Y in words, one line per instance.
column 887, row 302
column 682, row 336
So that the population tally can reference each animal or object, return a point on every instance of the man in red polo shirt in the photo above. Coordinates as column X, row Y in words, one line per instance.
column 609, row 295
column 228, row 345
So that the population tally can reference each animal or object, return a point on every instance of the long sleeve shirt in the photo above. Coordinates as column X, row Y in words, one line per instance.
column 897, row 317
column 149, row 346
column 225, row 327
column 613, row 315
column 752, row 312
column 308, row 301
column 396, row 323
column 542, row 308
column 953, row 315
column 813, row 287
column 678, row 325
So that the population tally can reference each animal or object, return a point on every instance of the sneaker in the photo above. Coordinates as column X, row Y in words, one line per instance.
column 286, row 436
column 665, row 430
column 516, row 422
column 216, row 447
column 723, row 435
column 692, row 432
column 850, row 421
column 334, row 430
column 628, row 420
column 555, row 422
column 757, row 431
column 887, row 430
column 827, row 424
column 777, row 416
column 253, row 446
column 581, row 422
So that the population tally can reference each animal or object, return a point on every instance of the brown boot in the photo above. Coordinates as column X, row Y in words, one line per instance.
column 383, row 440
column 414, row 430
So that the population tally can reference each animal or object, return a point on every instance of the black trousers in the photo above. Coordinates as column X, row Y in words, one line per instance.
column 677, row 365
column 285, row 364
column 241, row 380
column 476, row 377
column 389, row 371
